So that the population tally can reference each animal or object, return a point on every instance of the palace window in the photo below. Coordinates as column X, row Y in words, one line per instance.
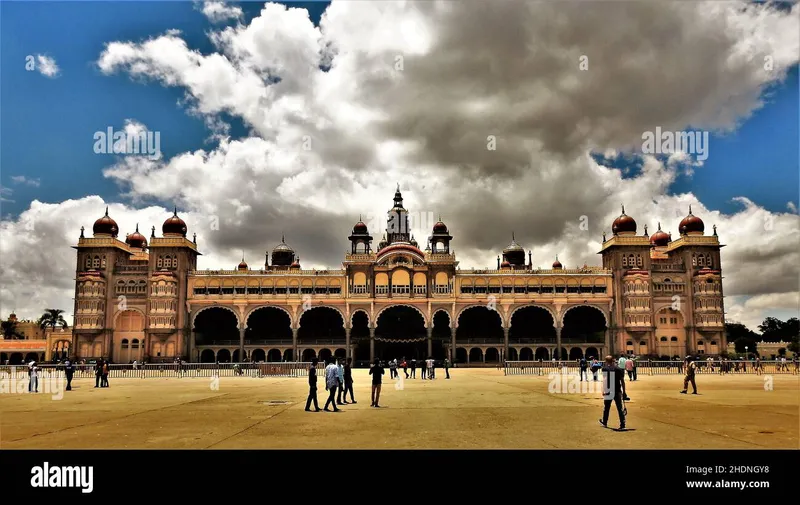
column 638, row 260
column 334, row 290
column 358, row 289
column 663, row 339
column 306, row 290
column 96, row 262
column 467, row 290
column 401, row 290
column 708, row 261
column 673, row 339
column 160, row 262
column 494, row 289
column 88, row 262
column 420, row 290
column 382, row 289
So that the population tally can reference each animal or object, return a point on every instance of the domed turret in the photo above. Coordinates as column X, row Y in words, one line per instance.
column 514, row 253
column 691, row 224
column 440, row 227
column 296, row 263
column 659, row 238
column 360, row 228
column 242, row 264
column 414, row 241
column 136, row 239
column 282, row 255
column 105, row 226
column 383, row 243
column 557, row 264
column 174, row 226
column 624, row 224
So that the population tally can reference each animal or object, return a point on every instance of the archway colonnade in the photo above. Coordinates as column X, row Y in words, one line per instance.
column 462, row 332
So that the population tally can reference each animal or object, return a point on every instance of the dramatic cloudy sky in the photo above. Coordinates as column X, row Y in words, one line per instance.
column 501, row 116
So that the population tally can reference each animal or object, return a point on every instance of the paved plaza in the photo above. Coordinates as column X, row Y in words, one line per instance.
column 477, row 408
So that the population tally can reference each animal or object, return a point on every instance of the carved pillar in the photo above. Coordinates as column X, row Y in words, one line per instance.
column 295, row 357
column 241, row 344
column 372, row 345
column 505, row 341
column 430, row 341
column 557, row 354
column 347, row 353
column 192, row 354
column 453, row 345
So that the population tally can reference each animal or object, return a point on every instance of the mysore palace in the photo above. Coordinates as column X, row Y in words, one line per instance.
column 146, row 299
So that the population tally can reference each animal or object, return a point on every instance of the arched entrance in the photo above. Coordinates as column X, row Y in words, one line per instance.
column 216, row 326
column 532, row 324
column 479, row 325
column 359, row 335
column 584, row 324
column 441, row 335
column 322, row 325
column 207, row 356
column 400, row 332
column 224, row 356
column 129, row 327
column 258, row 355
column 274, row 355
column 268, row 325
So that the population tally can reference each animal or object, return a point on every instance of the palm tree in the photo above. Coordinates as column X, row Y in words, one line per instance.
column 52, row 318
column 10, row 330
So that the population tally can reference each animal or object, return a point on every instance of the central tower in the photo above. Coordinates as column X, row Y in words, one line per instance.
column 397, row 228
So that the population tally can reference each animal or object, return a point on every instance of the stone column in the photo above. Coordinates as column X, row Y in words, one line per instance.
column 558, row 343
column 192, row 354
column 347, row 343
column 430, row 341
column 453, row 345
column 241, row 344
column 372, row 345
column 295, row 357
column 505, row 342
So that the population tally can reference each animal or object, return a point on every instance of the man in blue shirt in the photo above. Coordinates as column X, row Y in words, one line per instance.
column 331, row 384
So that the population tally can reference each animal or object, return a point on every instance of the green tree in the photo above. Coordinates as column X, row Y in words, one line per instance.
column 52, row 318
column 742, row 342
column 735, row 331
column 10, row 330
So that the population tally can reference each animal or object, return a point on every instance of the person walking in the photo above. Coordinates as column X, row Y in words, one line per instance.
column 447, row 368
column 584, row 367
column 331, row 383
column 33, row 370
column 405, row 367
column 69, row 370
column 348, row 381
column 613, row 391
column 691, row 367
column 376, row 371
column 98, row 373
column 413, row 368
column 340, row 378
column 312, row 387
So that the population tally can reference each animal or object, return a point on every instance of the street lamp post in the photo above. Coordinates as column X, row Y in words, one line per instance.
column 746, row 354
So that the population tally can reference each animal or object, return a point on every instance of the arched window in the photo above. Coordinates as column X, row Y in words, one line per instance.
column 160, row 262
column 639, row 260
column 694, row 260
column 708, row 260
column 103, row 262
column 96, row 262
column 663, row 339
column 88, row 262
column 124, row 343
column 624, row 261
column 673, row 339
column 713, row 342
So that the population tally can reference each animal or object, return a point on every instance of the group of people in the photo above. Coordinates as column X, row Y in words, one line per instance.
column 426, row 367
column 338, row 377
column 627, row 364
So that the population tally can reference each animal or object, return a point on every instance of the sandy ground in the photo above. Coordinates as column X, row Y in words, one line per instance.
column 477, row 408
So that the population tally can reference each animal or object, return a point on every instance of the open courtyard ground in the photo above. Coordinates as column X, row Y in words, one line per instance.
column 477, row 408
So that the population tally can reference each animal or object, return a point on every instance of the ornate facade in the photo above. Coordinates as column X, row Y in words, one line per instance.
column 136, row 299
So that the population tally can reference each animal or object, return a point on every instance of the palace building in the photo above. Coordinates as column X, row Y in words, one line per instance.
column 148, row 300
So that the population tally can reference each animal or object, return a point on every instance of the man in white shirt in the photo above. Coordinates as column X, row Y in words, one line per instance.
column 331, row 384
